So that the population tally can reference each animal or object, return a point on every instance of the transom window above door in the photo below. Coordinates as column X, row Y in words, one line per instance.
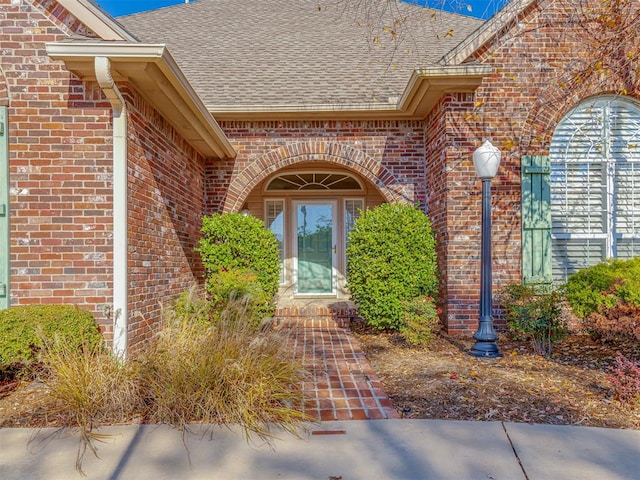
column 314, row 181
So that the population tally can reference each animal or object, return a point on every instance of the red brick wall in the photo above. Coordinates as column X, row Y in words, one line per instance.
column 389, row 153
column 537, row 60
column 166, row 191
column 448, row 204
column 60, row 132
column 60, row 167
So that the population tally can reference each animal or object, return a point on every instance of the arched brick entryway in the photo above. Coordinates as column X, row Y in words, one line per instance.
column 333, row 153
column 316, row 218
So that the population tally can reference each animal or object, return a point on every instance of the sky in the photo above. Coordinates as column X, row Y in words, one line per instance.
column 475, row 8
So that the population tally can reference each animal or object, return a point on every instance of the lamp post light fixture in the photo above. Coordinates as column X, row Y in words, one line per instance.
column 486, row 160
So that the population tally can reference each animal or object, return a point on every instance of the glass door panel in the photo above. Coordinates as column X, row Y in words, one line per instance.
column 316, row 247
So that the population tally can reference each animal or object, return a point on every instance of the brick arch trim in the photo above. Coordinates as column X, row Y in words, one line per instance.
column 4, row 92
column 333, row 153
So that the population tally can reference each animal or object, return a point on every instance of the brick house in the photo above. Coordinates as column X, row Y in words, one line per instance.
column 117, row 136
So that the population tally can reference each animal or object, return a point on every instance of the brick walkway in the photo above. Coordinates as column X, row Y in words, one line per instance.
column 340, row 383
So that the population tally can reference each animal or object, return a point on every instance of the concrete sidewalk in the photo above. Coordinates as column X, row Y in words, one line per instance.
column 371, row 449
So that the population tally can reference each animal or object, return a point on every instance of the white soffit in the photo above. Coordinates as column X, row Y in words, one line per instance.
column 155, row 74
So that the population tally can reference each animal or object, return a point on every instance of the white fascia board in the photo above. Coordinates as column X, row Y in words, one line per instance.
column 423, row 89
column 485, row 32
column 101, row 23
column 127, row 58
column 449, row 79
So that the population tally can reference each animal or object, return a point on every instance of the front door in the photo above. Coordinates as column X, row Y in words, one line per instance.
column 315, row 244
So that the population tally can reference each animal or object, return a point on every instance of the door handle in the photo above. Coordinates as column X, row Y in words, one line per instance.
column 335, row 249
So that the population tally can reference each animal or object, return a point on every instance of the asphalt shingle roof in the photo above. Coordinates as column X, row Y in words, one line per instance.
column 278, row 52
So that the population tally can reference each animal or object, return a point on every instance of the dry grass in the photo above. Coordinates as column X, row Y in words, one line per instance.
column 195, row 370
column 89, row 388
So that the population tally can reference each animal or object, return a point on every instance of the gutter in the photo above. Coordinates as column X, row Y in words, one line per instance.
column 153, row 71
column 120, row 310
column 423, row 90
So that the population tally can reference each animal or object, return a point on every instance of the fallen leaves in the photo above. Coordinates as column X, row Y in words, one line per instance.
column 444, row 381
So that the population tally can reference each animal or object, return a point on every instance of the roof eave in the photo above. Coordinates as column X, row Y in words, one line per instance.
column 424, row 89
column 485, row 33
column 155, row 74
column 97, row 20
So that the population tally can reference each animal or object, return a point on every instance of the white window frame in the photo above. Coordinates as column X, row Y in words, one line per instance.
column 599, row 152
column 283, row 211
column 345, row 226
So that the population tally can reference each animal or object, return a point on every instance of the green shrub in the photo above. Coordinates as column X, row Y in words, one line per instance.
column 232, row 241
column 24, row 328
column 420, row 320
column 235, row 283
column 391, row 258
column 534, row 312
column 603, row 286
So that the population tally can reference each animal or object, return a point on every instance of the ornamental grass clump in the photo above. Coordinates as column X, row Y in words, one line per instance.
column 90, row 388
column 203, row 366
column 220, row 371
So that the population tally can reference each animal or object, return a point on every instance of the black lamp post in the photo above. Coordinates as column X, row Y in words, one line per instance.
column 486, row 160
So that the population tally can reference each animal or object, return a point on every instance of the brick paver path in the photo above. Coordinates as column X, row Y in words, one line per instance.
column 340, row 384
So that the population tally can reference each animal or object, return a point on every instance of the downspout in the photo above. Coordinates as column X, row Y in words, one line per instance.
column 120, row 311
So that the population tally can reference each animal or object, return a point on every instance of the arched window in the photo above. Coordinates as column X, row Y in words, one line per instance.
column 313, row 181
column 595, row 185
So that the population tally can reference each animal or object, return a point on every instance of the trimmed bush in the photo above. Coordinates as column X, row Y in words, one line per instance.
column 534, row 312
column 239, row 253
column 391, row 258
column 603, row 285
column 23, row 330
column 606, row 297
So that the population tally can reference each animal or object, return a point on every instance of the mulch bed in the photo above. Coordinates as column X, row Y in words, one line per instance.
column 443, row 381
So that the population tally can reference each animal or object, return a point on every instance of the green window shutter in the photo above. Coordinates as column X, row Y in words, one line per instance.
column 536, row 220
column 4, row 209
